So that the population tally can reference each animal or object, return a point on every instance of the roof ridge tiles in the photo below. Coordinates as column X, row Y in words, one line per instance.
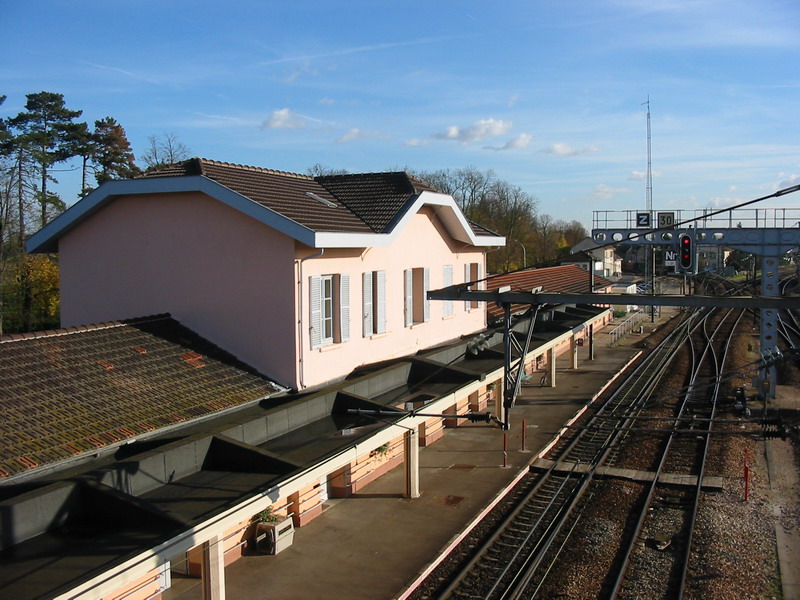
column 218, row 163
column 31, row 335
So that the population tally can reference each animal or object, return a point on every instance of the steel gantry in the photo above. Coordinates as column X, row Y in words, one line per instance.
column 515, row 352
column 769, row 233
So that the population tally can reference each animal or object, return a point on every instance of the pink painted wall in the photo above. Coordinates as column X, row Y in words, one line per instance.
column 217, row 271
column 423, row 243
column 242, row 285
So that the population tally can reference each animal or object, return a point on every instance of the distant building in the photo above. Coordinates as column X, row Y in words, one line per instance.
column 712, row 257
column 605, row 261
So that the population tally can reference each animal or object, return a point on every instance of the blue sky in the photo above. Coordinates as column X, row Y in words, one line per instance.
column 547, row 94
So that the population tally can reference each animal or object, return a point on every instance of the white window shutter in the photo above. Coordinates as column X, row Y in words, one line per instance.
column 482, row 284
column 366, row 295
column 380, row 302
column 408, row 289
column 344, row 308
column 466, row 279
column 426, row 285
column 315, row 314
column 447, row 281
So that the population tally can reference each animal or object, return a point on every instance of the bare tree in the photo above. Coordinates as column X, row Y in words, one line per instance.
column 320, row 170
column 164, row 149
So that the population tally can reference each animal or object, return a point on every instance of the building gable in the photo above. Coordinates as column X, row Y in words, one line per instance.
column 348, row 211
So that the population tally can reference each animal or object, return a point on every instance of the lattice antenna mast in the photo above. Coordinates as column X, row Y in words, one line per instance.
column 650, row 260
column 648, row 194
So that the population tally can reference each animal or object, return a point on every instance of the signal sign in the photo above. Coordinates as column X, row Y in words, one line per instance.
column 643, row 219
column 670, row 258
column 685, row 251
column 666, row 219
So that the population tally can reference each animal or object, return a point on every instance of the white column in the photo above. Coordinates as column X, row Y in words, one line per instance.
column 411, row 450
column 551, row 359
column 213, row 573
column 573, row 346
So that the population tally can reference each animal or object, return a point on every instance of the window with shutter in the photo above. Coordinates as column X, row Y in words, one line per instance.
column 329, row 309
column 374, row 302
column 368, row 317
column 417, row 306
column 472, row 272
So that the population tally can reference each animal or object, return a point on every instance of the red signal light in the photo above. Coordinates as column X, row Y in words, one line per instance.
column 685, row 250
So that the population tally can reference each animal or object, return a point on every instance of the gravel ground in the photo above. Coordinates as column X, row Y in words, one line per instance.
column 734, row 552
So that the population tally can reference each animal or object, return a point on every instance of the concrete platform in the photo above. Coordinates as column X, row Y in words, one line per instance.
column 376, row 543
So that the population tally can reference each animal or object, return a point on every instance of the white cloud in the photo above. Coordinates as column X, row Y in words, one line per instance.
column 720, row 203
column 786, row 181
column 295, row 74
column 416, row 143
column 520, row 141
column 606, row 192
column 357, row 134
column 512, row 101
column 639, row 175
column 477, row 131
column 208, row 121
column 285, row 118
column 562, row 149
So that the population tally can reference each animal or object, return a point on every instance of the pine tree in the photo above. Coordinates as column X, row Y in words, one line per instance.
column 113, row 157
column 48, row 134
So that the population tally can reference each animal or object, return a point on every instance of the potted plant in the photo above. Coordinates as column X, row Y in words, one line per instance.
column 273, row 533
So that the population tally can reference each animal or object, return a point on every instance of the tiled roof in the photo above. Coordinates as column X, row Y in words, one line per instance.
column 377, row 198
column 70, row 392
column 362, row 203
column 569, row 279
column 288, row 194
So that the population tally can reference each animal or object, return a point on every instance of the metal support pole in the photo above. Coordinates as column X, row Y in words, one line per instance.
column 411, row 455
column 512, row 373
column 770, row 283
column 573, row 346
column 653, row 282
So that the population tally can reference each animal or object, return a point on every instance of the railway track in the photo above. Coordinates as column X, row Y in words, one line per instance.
column 666, row 518
column 527, row 544
column 521, row 558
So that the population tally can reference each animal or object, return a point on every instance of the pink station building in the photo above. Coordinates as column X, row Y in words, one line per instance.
column 213, row 315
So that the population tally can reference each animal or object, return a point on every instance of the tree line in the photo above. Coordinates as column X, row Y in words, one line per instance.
column 532, row 237
column 35, row 145
column 47, row 137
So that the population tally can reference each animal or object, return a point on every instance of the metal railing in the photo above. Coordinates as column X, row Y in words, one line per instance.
column 624, row 328
column 747, row 218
